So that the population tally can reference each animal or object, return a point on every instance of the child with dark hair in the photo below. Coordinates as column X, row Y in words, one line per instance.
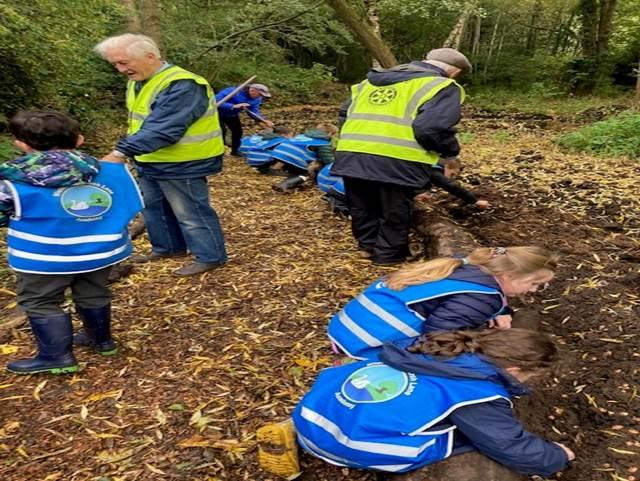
column 448, row 394
column 67, row 215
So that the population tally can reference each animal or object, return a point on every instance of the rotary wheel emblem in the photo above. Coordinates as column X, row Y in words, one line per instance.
column 382, row 96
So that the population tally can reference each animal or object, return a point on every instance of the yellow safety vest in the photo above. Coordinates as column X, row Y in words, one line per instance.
column 379, row 119
column 202, row 140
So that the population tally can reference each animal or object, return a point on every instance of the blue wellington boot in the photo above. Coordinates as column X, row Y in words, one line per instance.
column 97, row 330
column 54, row 338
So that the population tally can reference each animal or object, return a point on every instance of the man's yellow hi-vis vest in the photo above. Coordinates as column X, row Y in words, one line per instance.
column 202, row 140
column 379, row 118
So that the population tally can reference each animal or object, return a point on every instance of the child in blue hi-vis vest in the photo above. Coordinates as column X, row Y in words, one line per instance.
column 67, row 215
column 257, row 149
column 438, row 295
column 304, row 155
column 333, row 188
column 448, row 394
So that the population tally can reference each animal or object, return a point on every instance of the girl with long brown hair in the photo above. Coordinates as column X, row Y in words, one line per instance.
column 441, row 294
column 447, row 394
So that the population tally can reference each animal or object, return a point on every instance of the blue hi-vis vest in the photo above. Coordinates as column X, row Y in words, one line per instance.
column 327, row 182
column 80, row 228
column 295, row 151
column 369, row 415
column 247, row 143
column 260, row 153
column 380, row 315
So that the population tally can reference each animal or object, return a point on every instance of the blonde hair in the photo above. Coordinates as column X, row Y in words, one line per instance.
column 136, row 45
column 519, row 261
column 328, row 128
column 528, row 350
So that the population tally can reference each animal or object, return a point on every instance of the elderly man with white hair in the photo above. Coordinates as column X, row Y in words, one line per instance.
column 175, row 140
column 396, row 125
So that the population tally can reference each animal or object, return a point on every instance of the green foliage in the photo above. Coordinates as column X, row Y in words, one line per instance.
column 290, row 56
column 617, row 136
column 47, row 46
column 7, row 149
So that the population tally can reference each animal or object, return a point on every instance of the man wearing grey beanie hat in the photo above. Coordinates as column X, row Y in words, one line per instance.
column 394, row 128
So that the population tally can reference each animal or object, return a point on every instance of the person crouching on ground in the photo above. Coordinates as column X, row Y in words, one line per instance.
column 448, row 394
column 442, row 294
column 67, row 215
column 258, row 150
column 304, row 156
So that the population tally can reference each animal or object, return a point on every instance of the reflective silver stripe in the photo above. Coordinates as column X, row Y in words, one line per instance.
column 360, row 333
column 387, row 317
column 51, row 258
column 382, row 118
column 359, row 88
column 415, row 100
column 366, row 446
column 383, row 140
column 134, row 116
column 192, row 139
column 63, row 240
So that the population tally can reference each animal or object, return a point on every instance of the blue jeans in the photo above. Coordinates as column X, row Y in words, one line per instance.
column 178, row 217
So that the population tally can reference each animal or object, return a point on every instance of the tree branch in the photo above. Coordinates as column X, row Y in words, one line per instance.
column 258, row 27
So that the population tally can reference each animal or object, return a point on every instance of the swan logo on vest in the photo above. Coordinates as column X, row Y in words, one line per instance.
column 86, row 201
column 375, row 384
column 382, row 95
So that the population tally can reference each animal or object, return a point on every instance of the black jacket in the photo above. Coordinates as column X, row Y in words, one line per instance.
column 433, row 128
column 489, row 427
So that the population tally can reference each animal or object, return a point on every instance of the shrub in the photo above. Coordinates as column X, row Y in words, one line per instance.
column 616, row 136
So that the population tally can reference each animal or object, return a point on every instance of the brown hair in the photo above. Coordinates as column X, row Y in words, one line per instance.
column 45, row 130
column 519, row 261
column 282, row 130
column 528, row 350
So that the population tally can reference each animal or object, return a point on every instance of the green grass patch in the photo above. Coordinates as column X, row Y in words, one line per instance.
column 540, row 101
column 616, row 136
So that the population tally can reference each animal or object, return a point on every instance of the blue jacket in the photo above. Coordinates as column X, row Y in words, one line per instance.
column 328, row 183
column 226, row 109
column 400, row 414
column 433, row 127
column 466, row 299
column 172, row 113
column 71, row 229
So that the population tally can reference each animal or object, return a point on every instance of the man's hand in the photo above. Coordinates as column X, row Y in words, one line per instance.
column 240, row 106
column 482, row 204
column 423, row 197
column 570, row 454
column 268, row 123
column 313, row 168
column 502, row 321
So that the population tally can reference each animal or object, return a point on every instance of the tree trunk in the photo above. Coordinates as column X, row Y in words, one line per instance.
column 364, row 33
column 607, row 7
column 491, row 45
column 150, row 14
column 475, row 48
column 532, row 35
column 132, row 18
column 374, row 21
column 638, row 85
column 454, row 40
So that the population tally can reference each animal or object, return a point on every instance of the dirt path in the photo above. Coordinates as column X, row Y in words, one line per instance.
column 207, row 360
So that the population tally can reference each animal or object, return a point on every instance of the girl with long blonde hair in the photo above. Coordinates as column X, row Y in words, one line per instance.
column 441, row 294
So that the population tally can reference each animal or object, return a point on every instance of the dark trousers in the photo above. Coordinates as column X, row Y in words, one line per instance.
column 380, row 217
column 235, row 126
column 40, row 295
